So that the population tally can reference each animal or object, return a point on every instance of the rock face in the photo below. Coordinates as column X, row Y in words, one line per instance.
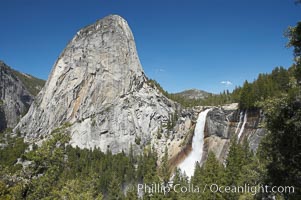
column 98, row 87
column 226, row 122
column 15, row 95
column 98, row 91
column 223, row 123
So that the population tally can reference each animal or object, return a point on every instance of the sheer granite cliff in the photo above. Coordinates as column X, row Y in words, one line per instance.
column 98, row 87
column 98, row 91
column 17, row 92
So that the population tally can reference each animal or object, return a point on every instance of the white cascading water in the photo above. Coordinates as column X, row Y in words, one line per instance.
column 242, row 127
column 239, row 123
column 188, row 165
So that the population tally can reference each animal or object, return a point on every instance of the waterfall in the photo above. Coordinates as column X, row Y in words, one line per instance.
column 239, row 123
column 242, row 127
column 188, row 165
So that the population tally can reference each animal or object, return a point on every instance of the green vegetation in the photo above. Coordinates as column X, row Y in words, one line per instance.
column 159, row 133
column 249, row 95
column 266, row 86
column 210, row 100
column 172, row 121
column 56, row 170
column 138, row 140
column 242, row 167
column 59, row 171
column 14, row 149
column 164, row 168
column 281, row 148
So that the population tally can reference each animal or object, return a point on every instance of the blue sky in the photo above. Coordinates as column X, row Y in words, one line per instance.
column 181, row 43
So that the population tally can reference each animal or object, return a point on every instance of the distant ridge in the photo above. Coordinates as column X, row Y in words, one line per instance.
column 193, row 94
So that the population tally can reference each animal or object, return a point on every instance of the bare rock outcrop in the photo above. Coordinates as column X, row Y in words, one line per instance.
column 226, row 122
column 15, row 96
column 98, row 87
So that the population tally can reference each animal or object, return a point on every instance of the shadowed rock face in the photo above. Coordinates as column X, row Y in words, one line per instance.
column 98, row 86
column 224, row 123
column 15, row 99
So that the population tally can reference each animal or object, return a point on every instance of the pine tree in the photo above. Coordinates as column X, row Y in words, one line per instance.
column 212, row 174
column 234, row 164
column 198, row 173
column 247, row 98
column 164, row 170
column 114, row 189
column 140, row 168
column 294, row 36
column 179, row 179
column 130, row 167
column 150, row 168
column 281, row 148
column 132, row 193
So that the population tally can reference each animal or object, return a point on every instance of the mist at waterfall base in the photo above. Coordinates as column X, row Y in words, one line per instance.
column 188, row 165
